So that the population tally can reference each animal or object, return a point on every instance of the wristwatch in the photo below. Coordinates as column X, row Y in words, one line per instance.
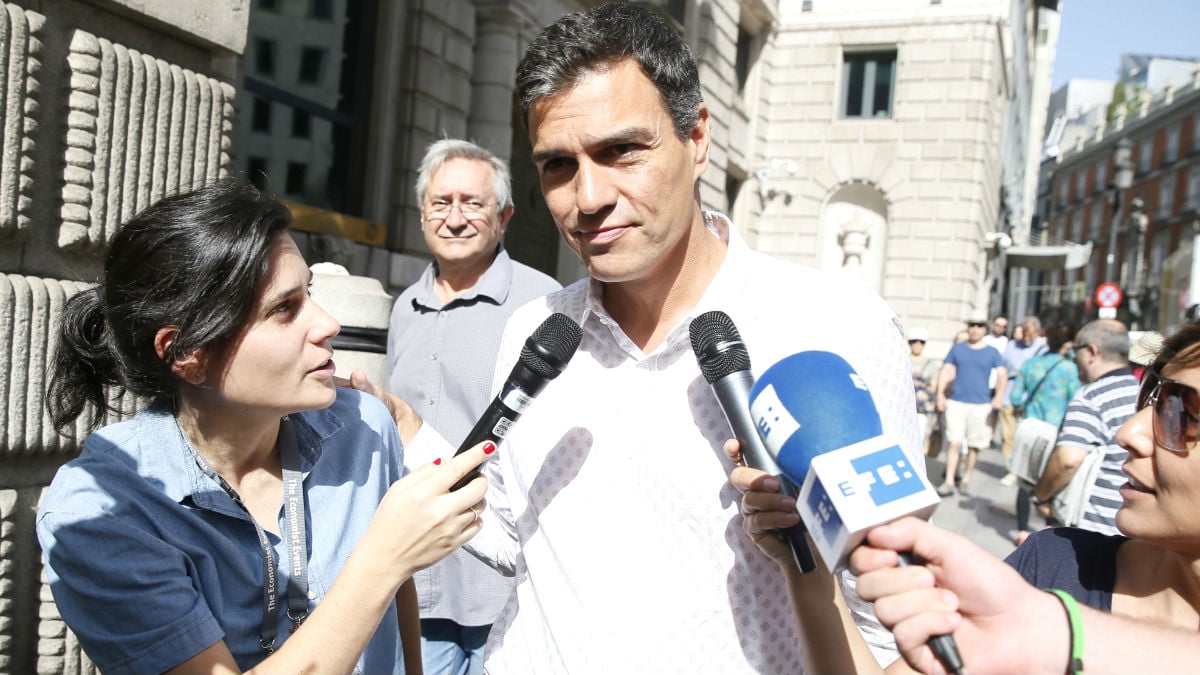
column 1038, row 502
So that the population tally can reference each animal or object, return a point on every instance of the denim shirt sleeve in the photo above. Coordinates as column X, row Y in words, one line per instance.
column 152, row 618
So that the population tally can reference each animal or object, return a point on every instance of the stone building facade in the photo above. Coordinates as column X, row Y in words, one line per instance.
column 863, row 135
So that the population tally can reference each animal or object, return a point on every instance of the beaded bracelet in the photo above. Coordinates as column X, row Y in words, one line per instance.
column 1075, row 619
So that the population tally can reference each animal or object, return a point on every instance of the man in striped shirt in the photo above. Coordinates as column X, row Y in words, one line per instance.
column 1099, row 408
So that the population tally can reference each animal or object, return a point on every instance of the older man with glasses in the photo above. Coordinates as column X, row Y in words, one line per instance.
column 1107, row 399
column 442, row 342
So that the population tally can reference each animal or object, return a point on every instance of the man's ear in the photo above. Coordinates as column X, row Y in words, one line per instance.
column 189, row 368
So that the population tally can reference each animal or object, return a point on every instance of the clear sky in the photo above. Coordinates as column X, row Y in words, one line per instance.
column 1094, row 34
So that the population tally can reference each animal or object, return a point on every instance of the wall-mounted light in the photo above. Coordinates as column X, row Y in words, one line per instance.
column 763, row 175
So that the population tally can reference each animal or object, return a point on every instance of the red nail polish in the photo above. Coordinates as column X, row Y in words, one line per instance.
column 438, row 460
column 489, row 448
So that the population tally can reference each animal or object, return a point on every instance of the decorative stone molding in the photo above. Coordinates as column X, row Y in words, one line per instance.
column 20, row 68
column 30, row 311
column 8, row 499
column 139, row 128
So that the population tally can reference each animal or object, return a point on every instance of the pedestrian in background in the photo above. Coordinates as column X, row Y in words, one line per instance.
column 1089, row 430
column 1027, row 342
column 968, row 402
column 1042, row 390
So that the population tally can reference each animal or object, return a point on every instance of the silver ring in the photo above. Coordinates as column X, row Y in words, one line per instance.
column 474, row 513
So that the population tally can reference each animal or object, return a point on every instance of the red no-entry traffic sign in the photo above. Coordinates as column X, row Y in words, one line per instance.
column 1108, row 294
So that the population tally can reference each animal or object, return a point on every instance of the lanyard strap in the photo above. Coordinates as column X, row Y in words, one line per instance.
column 296, row 541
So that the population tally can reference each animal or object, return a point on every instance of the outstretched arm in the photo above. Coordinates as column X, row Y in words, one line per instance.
column 1000, row 622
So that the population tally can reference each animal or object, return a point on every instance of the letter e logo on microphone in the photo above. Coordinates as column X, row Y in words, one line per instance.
column 887, row 475
column 775, row 424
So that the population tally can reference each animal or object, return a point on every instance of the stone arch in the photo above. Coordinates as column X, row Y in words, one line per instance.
column 852, row 232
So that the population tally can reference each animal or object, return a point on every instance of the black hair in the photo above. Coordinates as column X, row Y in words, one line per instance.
column 1057, row 335
column 584, row 42
column 194, row 261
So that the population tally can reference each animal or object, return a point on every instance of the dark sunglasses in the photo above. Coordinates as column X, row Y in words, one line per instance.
column 976, row 324
column 1176, row 410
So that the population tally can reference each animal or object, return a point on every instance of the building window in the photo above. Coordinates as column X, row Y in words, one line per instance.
column 260, row 118
column 741, row 63
column 295, row 178
column 1172, row 150
column 301, row 123
column 310, row 64
column 1145, row 150
column 1101, row 177
column 256, row 172
column 323, row 122
column 868, row 79
column 1166, row 195
column 1080, row 180
column 1196, row 131
column 1062, row 191
column 1097, row 215
column 1193, row 188
column 264, row 57
column 320, row 9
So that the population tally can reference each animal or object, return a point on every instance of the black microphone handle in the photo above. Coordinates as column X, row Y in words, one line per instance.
column 492, row 426
column 943, row 646
column 733, row 393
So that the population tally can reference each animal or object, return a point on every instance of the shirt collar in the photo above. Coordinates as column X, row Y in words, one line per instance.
column 493, row 285
column 724, row 287
column 167, row 460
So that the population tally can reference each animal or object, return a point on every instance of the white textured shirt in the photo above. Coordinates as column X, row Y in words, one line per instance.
column 610, row 499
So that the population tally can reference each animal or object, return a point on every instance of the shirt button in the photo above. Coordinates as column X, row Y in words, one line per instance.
column 433, row 357
column 312, row 595
column 442, row 314
column 429, row 402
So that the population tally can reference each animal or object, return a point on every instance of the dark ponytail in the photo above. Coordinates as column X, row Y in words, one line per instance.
column 82, row 364
column 194, row 261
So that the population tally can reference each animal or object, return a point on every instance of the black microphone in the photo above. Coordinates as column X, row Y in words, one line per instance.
column 544, row 356
column 725, row 363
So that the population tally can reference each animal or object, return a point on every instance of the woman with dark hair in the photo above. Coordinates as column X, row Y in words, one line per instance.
column 1152, row 570
column 254, row 515
column 1043, row 389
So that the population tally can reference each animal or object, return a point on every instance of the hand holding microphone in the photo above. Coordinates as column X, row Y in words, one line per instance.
column 818, row 418
column 725, row 363
column 544, row 356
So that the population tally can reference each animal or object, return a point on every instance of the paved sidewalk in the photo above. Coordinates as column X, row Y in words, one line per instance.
column 986, row 517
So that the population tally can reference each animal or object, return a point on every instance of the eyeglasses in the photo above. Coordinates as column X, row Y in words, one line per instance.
column 1176, row 410
column 471, row 209
column 976, row 324
column 912, row 341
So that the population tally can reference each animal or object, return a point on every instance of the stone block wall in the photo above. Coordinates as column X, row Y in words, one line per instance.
column 102, row 112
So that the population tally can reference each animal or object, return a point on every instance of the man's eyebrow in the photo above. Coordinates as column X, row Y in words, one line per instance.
column 627, row 135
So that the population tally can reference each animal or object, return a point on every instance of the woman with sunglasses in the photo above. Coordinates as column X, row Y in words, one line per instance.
column 253, row 517
column 1153, row 571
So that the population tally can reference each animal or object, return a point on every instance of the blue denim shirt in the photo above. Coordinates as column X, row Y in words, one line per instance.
column 150, row 561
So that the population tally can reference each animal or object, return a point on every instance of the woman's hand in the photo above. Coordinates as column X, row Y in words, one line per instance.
column 420, row 521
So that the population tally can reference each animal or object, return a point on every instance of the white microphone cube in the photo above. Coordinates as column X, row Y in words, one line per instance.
column 852, row 489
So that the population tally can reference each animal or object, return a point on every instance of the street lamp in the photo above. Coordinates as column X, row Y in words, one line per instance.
column 1138, row 222
column 1121, row 181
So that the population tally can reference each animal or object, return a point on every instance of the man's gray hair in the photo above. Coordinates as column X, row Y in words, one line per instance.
column 1110, row 337
column 452, row 148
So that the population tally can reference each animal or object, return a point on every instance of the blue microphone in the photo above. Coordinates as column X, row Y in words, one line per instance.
column 816, row 415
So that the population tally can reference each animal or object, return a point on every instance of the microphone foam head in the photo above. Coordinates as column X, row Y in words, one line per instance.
column 718, row 346
column 809, row 404
column 552, row 345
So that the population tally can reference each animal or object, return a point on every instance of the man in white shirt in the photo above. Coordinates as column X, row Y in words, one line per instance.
column 610, row 499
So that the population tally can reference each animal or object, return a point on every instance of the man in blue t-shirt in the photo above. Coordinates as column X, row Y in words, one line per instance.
column 964, row 395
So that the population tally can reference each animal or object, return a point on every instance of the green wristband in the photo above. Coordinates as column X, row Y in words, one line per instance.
column 1075, row 619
